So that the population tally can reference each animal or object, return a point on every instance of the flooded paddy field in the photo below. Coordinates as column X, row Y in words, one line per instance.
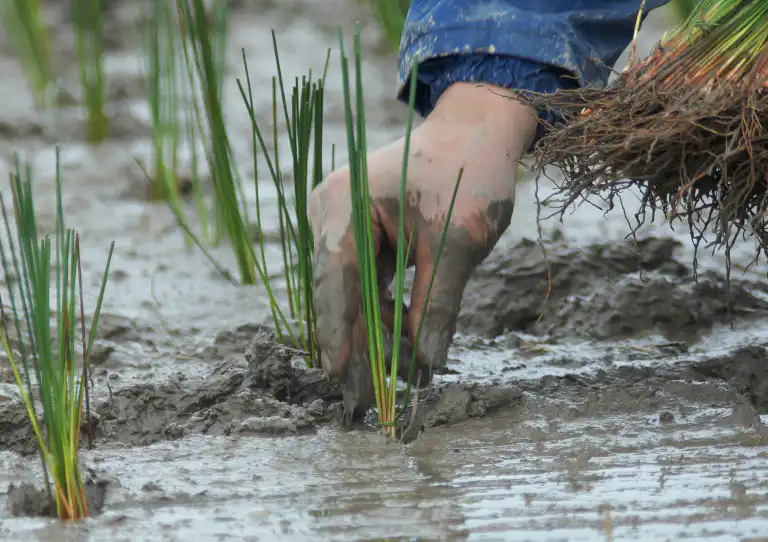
column 631, row 404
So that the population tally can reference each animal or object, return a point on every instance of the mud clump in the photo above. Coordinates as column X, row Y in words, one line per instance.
column 456, row 403
column 16, row 432
column 282, row 370
column 245, row 412
column 460, row 402
column 602, row 291
column 232, row 342
column 269, row 390
column 746, row 370
column 27, row 500
column 141, row 414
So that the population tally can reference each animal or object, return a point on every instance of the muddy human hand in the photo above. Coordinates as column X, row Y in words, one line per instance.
column 474, row 127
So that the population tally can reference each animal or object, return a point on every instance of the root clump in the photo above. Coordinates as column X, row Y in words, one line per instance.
column 700, row 159
column 683, row 128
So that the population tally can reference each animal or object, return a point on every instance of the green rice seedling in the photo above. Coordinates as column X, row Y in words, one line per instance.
column 204, row 54
column 23, row 23
column 44, row 362
column 89, row 40
column 173, row 113
column 384, row 387
column 303, row 116
column 161, row 51
column 215, row 29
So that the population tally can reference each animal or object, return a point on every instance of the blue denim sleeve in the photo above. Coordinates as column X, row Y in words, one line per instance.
column 539, row 45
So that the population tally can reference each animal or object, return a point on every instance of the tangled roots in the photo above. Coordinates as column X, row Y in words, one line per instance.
column 698, row 154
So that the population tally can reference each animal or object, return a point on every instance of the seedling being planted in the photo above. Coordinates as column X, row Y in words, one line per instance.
column 51, row 375
column 385, row 386
column 303, row 116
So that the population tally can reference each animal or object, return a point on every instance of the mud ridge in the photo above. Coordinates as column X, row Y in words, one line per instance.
column 735, row 382
column 603, row 291
column 455, row 403
column 268, row 390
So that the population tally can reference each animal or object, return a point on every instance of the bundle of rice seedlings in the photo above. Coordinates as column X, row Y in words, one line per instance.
column 23, row 23
column 303, row 117
column 684, row 127
column 44, row 363
column 89, row 40
column 385, row 385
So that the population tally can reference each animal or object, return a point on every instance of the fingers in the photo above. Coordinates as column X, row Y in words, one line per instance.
column 337, row 289
column 468, row 240
column 458, row 259
column 337, row 302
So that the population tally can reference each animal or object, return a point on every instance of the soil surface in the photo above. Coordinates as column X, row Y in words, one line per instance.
column 598, row 390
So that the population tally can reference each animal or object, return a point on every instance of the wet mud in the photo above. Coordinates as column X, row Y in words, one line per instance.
column 266, row 390
column 603, row 292
column 599, row 389
column 27, row 500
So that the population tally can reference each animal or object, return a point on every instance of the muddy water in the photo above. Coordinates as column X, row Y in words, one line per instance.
column 629, row 406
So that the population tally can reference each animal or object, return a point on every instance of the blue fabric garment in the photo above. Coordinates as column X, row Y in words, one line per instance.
column 534, row 45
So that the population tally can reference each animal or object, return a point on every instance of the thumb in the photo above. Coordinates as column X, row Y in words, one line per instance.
column 439, row 306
